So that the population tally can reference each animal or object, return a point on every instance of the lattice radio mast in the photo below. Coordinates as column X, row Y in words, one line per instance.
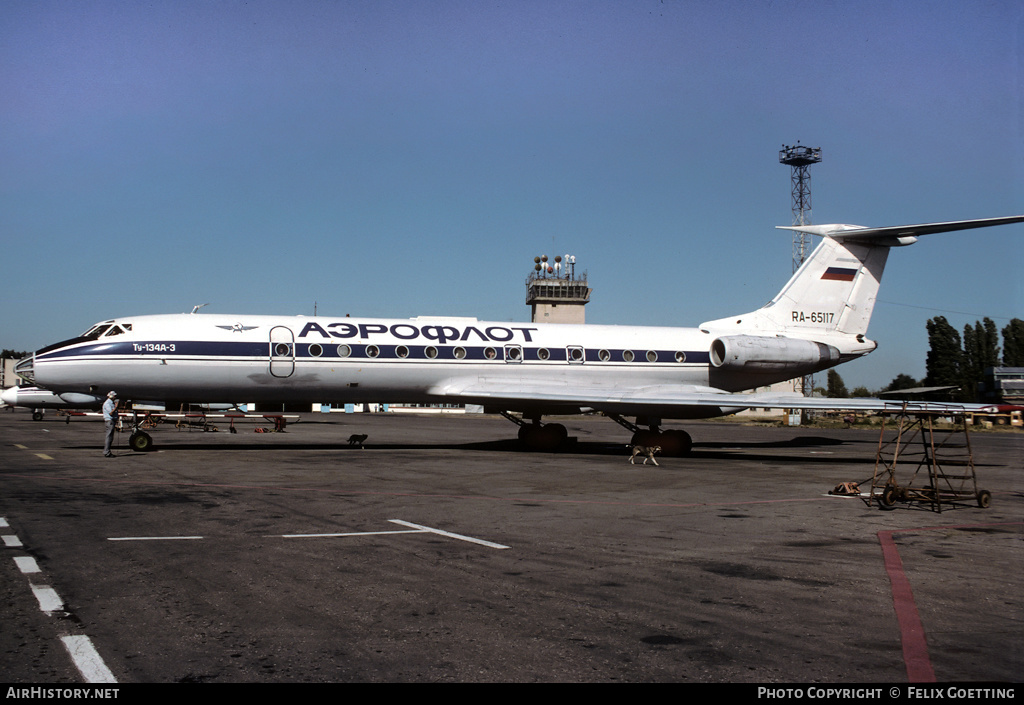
column 799, row 159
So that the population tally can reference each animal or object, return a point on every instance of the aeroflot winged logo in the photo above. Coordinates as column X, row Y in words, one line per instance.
column 238, row 328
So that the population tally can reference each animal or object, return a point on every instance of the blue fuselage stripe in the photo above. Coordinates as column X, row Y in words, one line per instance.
column 260, row 350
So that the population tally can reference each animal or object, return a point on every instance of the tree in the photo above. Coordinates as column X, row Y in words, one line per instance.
column 861, row 392
column 836, row 388
column 902, row 381
column 1013, row 343
column 944, row 364
column 981, row 350
column 970, row 367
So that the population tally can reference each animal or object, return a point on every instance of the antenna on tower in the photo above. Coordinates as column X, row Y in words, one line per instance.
column 800, row 158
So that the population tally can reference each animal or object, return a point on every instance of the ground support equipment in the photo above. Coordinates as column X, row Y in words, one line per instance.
column 925, row 461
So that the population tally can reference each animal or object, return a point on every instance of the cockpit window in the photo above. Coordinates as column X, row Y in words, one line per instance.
column 114, row 330
column 96, row 331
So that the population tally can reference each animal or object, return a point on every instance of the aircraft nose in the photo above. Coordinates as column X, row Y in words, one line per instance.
column 10, row 396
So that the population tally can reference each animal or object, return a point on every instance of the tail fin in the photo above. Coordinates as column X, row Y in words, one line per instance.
column 833, row 293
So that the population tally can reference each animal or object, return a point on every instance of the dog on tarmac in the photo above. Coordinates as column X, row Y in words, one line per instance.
column 357, row 439
column 647, row 452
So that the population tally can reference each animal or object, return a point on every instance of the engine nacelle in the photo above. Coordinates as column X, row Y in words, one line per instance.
column 752, row 353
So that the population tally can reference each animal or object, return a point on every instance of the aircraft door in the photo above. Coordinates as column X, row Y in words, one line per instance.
column 282, row 351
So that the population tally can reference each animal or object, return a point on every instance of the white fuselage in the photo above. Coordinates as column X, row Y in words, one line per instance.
column 218, row 358
column 818, row 320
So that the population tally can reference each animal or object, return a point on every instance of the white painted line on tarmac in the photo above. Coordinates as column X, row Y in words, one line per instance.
column 27, row 565
column 154, row 538
column 83, row 654
column 4, row 524
column 11, row 541
column 460, row 537
column 413, row 529
column 87, row 660
column 352, row 533
column 49, row 600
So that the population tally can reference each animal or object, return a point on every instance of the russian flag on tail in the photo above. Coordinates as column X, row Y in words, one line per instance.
column 839, row 274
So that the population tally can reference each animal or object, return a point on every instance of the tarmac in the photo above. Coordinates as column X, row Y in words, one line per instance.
column 443, row 552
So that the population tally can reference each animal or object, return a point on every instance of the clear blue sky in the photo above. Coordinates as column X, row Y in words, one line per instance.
column 411, row 158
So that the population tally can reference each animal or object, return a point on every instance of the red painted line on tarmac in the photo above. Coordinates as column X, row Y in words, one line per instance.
column 915, row 646
column 912, row 636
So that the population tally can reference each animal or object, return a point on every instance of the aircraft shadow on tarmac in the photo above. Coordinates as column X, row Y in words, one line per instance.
column 854, row 450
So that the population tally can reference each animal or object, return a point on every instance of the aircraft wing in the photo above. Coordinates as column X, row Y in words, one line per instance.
column 667, row 400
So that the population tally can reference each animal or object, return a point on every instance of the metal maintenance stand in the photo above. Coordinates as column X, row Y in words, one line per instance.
column 923, row 462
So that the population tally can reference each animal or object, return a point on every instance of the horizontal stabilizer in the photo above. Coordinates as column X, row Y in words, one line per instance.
column 839, row 231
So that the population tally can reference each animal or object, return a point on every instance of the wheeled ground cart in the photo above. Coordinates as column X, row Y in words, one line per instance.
column 925, row 457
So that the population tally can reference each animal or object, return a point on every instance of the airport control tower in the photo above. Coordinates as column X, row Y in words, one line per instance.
column 553, row 291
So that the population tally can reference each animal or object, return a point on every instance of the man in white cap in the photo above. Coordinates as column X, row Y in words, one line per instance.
column 110, row 421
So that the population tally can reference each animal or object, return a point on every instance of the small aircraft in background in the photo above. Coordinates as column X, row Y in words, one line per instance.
column 38, row 399
column 818, row 320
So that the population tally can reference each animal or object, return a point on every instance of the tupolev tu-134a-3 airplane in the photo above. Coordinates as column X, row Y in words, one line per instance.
column 818, row 320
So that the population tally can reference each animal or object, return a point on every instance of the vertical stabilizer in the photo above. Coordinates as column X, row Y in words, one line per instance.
column 832, row 293
column 830, row 298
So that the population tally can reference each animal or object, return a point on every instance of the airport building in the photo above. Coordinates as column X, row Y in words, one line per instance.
column 1004, row 385
column 7, row 376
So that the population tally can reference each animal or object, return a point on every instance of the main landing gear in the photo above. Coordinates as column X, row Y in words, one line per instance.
column 546, row 437
column 674, row 442
column 552, row 436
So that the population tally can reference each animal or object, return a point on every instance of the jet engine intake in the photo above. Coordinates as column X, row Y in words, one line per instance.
column 752, row 353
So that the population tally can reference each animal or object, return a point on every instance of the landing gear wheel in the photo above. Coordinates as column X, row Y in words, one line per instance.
column 140, row 442
column 37, row 415
column 559, row 430
column 646, row 439
column 674, row 443
column 544, row 438
column 984, row 498
column 887, row 500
